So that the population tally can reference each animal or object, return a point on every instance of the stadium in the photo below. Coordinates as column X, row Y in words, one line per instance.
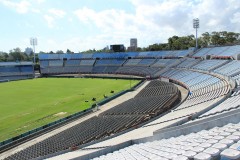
column 180, row 104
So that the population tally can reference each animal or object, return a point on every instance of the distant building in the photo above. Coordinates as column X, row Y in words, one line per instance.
column 117, row 48
column 106, row 49
column 133, row 44
column 28, row 51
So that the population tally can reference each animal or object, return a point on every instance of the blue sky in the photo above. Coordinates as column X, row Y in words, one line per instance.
column 86, row 24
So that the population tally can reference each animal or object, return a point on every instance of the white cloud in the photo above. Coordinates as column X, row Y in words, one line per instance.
column 20, row 7
column 50, row 21
column 156, row 20
column 70, row 20
column 150, row 22
column 236, row 18
column 35, row 10
column 107, row 20
column 52, row 16
column 57, row 12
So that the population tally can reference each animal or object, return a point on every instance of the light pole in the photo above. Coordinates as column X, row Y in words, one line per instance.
column 196, row 26
column 33, row 42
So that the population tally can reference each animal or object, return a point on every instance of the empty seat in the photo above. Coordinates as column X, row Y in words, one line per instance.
column 202, row 156
column 230, row 154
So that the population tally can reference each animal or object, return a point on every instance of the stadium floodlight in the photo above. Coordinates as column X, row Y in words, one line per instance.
column 196, row 26
column 33, row 42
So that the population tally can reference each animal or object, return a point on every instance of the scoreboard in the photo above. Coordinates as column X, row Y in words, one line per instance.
column 117, row 48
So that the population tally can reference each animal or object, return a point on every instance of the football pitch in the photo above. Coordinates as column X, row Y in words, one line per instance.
column 28, row 104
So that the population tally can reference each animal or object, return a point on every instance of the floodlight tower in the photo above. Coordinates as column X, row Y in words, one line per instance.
column 196, row 26
column 33, row 42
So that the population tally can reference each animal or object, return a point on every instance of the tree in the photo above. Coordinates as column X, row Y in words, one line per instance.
column 41, row 52
column 139, row 49
column 17, row 55
column 231, row 37
column 3, row 56
column 206, row 39
column 69, row 51
column 59, row 52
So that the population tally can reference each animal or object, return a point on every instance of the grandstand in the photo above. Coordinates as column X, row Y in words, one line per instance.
column 10, row 71
column 222, row 51
column 153, row 124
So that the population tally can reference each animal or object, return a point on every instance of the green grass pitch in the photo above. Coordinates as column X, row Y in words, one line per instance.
column 28, row 104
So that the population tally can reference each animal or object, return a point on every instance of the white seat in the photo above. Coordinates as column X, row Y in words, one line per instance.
column 189, row 154
column 207, row 137
column 225, row 134
column 194, row 144
column 179, row 151
column 213, row 133
column 220, row 146
column 226, row 141
column 186, row 148
column 180, row 158
column 202, row 156
column 218, row 137
column 159, row 158
column 172, row 155
column 230, row 154
column 212, row 141
column 235, row 146
column 165, row 154
column 197, row 149
column 205, row 145
column 233, row 137
column 231, row 130
column 199, row 140
column 236, row 133
column 212, row 151
column 176, row 146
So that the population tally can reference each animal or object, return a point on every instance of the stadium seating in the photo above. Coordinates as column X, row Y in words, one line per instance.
column 164, row 62
column 87, row 62
column 237, row 79
column 201, row 78
column 55, row 63
column 209, row 64
column 111, row 69
column 138, row 71
column 109, row 62
column 119, row 118
column 146, row 62
column 44, row 63
column 224, row 51
column 16, row 71
column 216, row 143
column 188, row 62
column 132, row 62
column 231, row 103
column 87, row 56
column 72, row 63
column 230, row 69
